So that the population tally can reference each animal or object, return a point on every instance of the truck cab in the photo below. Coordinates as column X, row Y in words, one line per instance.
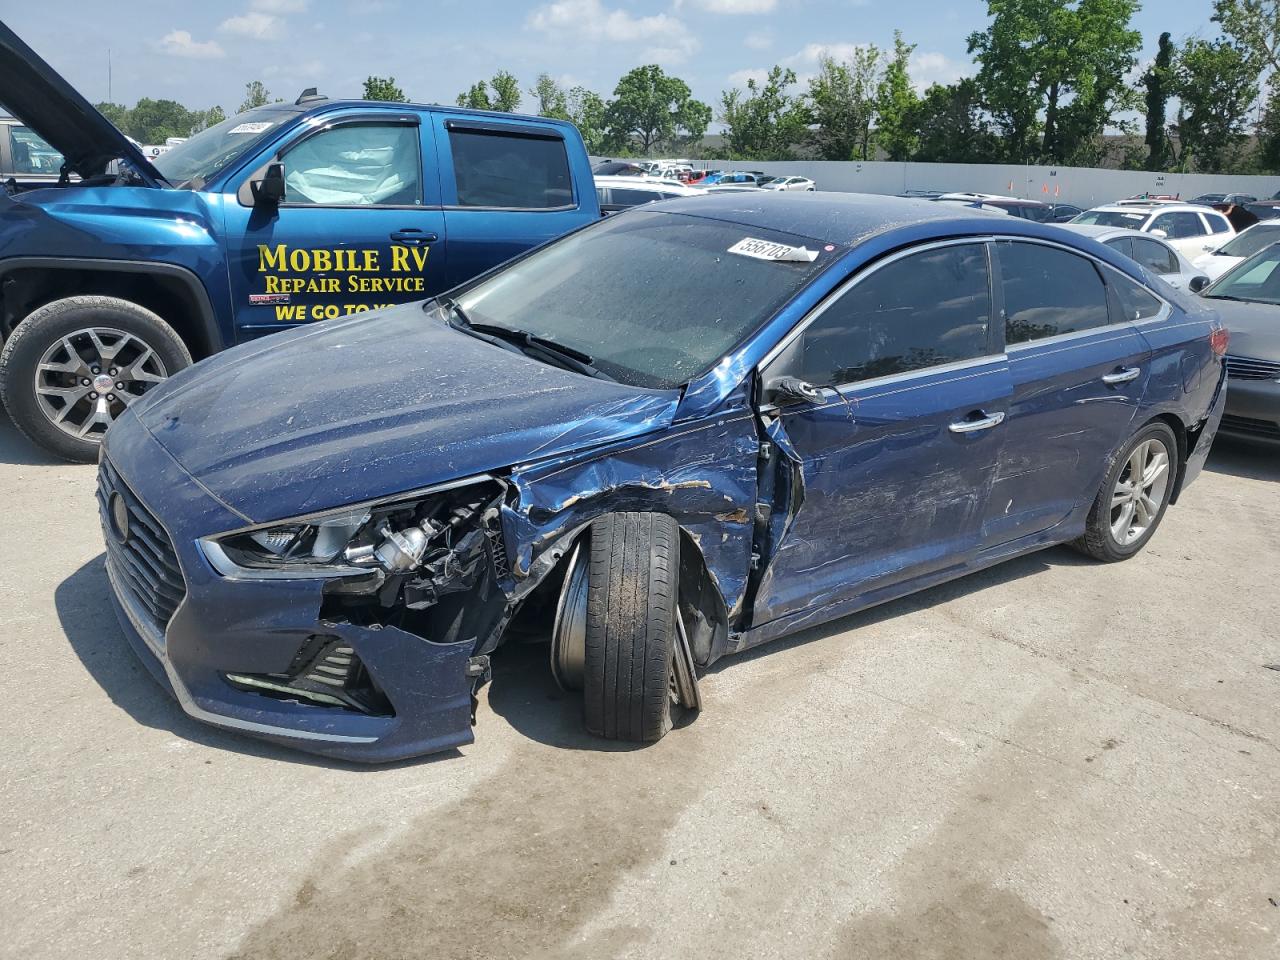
column 126, row 269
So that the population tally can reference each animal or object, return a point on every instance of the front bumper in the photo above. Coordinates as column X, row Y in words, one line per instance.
column 1253, row 410
column 226, row 626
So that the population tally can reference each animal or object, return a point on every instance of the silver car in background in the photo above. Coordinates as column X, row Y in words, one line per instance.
column 1239, row 248
column 1161, row 258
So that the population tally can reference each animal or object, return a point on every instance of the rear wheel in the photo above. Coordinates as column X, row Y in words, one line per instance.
column 631, row 635
column 1133, row 497
column 73, row 366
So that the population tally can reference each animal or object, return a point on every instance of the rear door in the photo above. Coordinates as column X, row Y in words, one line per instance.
column 507, row 185
column 360, row 227
column 1079, row 367
column 899, row 454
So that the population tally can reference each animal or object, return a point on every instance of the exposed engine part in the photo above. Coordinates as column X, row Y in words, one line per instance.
column 402, row 550
column 326, row 671
column 569, row 634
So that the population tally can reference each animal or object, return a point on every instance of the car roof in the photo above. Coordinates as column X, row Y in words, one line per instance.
column 1161, row 206
column 852, row 218
column 648, row 183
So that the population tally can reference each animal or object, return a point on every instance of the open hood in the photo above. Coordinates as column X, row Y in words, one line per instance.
column 34, row 93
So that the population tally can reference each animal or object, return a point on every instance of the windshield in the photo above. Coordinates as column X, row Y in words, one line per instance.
column 195, row 162
column 1112, row 218
column 655, row 299
column 1256, row 279
column 1210, row 198
column 1250, row 241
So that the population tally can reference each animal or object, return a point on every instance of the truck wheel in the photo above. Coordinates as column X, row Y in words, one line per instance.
column 72, row 366
column 631, row 634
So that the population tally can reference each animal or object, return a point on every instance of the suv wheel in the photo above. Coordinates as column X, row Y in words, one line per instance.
column 74, row 365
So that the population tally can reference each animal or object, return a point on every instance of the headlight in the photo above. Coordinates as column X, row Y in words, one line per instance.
column 379, row 538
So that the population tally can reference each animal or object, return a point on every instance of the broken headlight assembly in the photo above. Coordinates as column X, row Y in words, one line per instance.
column 374, row 541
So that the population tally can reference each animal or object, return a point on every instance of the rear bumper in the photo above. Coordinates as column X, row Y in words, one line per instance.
column 1253, row 410
column 223, row 626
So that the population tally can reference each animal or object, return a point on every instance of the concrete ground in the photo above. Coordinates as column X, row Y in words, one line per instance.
column 1052, row 758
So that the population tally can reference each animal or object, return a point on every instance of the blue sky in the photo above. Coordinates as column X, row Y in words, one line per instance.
column 203, row 54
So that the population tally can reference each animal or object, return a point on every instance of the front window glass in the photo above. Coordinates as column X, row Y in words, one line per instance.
column 508, row 171
column 1250, row 242
column 196, row 161
column 355, row 165
column 1255, row 279
column 1112, row 218
column 929, row 308
column 1048, row 292
column 31, row 154
column 655, row 299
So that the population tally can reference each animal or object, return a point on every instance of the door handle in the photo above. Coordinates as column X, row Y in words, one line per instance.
column 982, row 421
column 412, row 236
column 1123, row 375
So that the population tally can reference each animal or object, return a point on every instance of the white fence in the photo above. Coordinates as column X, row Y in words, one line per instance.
column 1083, row 186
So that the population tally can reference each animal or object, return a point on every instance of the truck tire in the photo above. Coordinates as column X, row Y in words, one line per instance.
column 632, row 585
column 74, row 365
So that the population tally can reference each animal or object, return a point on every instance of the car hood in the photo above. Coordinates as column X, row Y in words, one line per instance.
column 1254, row 327
column 38, row 96
column 355, row 409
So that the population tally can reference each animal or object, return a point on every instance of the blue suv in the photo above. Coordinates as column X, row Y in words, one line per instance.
column 287, row 214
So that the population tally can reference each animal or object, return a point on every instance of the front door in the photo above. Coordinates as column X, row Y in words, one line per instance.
column 1079, row 369
column 898, row 457
column 360, row 227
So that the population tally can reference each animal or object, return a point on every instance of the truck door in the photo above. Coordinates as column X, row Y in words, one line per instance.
column 507, row 186
column 360, row 225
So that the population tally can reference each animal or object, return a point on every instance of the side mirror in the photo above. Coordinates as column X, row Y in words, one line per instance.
column 793, row 388
column 269, row 191
column 1162, row 234
column 1198, row 283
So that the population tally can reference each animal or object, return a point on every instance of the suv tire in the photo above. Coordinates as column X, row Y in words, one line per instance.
column 63, row 343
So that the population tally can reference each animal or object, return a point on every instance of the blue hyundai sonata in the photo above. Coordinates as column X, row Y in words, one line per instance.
column 670, row 436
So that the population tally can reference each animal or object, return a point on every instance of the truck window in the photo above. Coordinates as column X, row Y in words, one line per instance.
column 494, row 169
column 31, row 154
column 355, row 165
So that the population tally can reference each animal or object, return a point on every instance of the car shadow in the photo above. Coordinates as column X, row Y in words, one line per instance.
column 1239, row 458
column 18, row 450
column 83, row 604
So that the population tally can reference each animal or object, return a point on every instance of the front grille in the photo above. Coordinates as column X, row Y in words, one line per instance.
column 145, row 564
column 1250, row 368
column 1258, row 428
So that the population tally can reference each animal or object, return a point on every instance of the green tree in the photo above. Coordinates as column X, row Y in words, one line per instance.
column 1158, row 81
column 895, row 102
column 842, row 105
column 1267, row 155
column 552, row 101
column 1254, row 25
column 763, row 123
column 154, row 121
column 1216, row 82
column 117, row 113
column 650, row 109
column 476, row 97
column 506, row 92
column 588, row 112
column 255, row 95
column 950, row 125
column 1060, row 60
column 208, row 118
column 383, row 88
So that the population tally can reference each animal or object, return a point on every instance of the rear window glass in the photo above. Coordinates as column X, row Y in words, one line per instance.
column 494, row 169
column 1156, row 257
column 1048, row 292
column 1112, row 218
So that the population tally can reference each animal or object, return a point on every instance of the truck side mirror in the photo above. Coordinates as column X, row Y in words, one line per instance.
column 269, row 191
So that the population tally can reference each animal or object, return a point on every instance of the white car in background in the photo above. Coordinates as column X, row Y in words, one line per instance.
column 1243, row 245
column 1190, row 229
column 1158, row 256
column 789, row 183
column 621, row 193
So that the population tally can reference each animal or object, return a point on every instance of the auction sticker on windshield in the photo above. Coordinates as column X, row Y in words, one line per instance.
column 766, row 250
column 255, row 127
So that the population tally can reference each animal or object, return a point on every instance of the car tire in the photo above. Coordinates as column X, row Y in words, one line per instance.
column 630, row 638
column 1124, row 515
column 98, row 330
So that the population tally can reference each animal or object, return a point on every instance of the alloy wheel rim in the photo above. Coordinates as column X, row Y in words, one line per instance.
column 86, row 379
column 1139, row 492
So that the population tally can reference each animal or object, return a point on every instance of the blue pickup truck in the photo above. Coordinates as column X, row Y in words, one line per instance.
column 130, row 269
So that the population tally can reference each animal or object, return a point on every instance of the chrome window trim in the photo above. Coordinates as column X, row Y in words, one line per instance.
column 891, row 379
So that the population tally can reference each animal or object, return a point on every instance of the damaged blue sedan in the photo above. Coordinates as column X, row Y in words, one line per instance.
column 667, row 437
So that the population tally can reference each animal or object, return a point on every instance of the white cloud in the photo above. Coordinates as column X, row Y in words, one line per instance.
column 812, row 53
column 740, row 77
column 927, row 68
column 178, row 43
column 255, row 25
column 668, row 39
column 759, row 40
column 737, row 6
column 279, row 6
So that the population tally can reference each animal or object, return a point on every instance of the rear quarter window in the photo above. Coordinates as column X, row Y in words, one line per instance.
column 507, row 170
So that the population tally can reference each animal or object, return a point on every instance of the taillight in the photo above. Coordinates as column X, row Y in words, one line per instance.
column 1218, row 340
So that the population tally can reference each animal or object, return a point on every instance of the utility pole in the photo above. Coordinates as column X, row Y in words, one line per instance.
column 109, row 99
